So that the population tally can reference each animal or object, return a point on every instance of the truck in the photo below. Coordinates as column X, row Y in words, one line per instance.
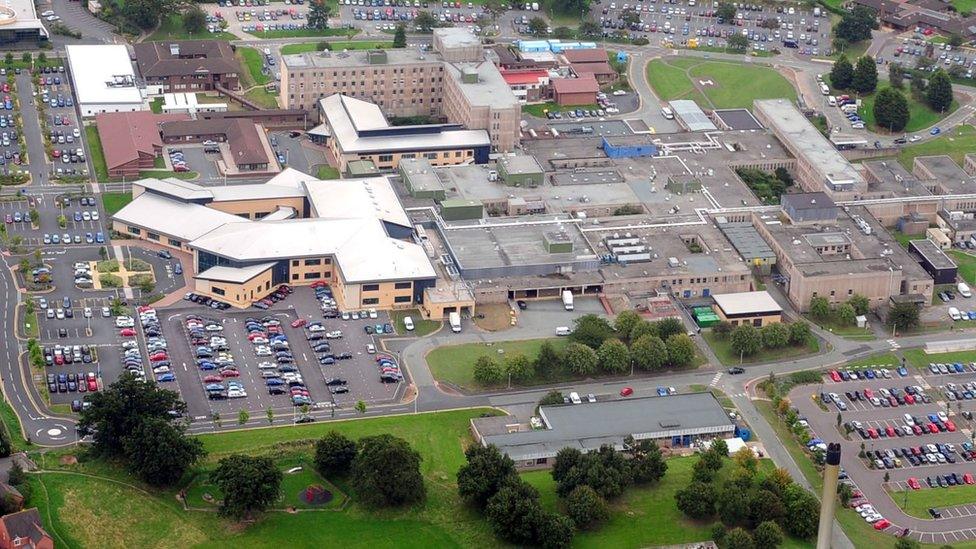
column 455, row 319
column 568, row 300
column 964, row 289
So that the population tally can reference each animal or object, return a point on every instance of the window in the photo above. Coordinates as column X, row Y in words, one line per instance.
column 312, row 276
column 294, row 276
column 371, row 301
column 402, row 299
column 386, row 158
column 152, row 236
column 216, row 290
column 134, row 230
column 371, row 287
column 176, row 243
column 313, row 262
column 757, row 322
column 403, row 285
column 294, row 262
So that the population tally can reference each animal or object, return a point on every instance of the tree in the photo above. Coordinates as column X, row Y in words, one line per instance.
column 625, row 322
column 271, row 415
column 400, row 37
column 487, row 371
column 378, row 456
column 726, row 11
column 514, row 511
column 580, row 359
column 334, row 454
column 737, row 538
column 738, row 43
column 613, row 356
column 856, row 25
column 5, row 448
column 553, row 531
column 938, row 94
column 26, row 57
column 318, row 15
column 765, row 505
column 768, row 535
column 865, row 75
column 565, row 460
column 842, row 73
column 775, row 335
column 589, row 28
column 802, row 512
column 722, row 329
column 846, row 314
column 720, row 448
column 194, row 20
column 644, row 328
column 9, row 58
column 799, row 332
column 494, row 8
column 701, row 472
column 425, row 22
column 606, row 470
column 519, row 367
column 249, row 484
column 819, row 308
column 860, row 303
column 361, row 406
column 159, row 452
column 896, row 75
column 955, row 40
column 646, row 463
column 697, row 500
column 745, row 340
column 243, row 416
column 668, row 327
column 918, row 83
column 681, row 350
column 551, row 398
column 146, row 14
column 649, row 353
column 547, row 362
column 592, row 331
column 121, row 408
column 538, row 26
column 903, row 316
column 586, row 507
column 732, row 505
column 487, row 470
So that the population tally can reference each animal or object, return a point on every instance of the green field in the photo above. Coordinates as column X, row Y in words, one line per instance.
column 723, row 351
column 96, row 153
column 299, row 48
column 263, row 97
column 301, row 33
column 455, row 363
column 966, row 6
column 327, row 172
column 848, row 332
column 163, row 174
column 254, row 61
column 172, row 29
column 293, row 486
column 733, row 85
column 966, row 264
column 920, row 116
column 421, row 327
column 956, row 143
column 919, row 359
column 918, row 502
column 113, row 202
column 12, row 423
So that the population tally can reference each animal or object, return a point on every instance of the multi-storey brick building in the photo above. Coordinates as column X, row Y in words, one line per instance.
column 188, row 66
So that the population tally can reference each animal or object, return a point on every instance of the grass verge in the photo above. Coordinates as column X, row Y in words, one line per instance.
column 327, row 172
column 253, row 60
column 956, row 143
column 918, row 502
column 421, row 327
column 920, row 116
column 113, row 202
column 455, row 363
column 966, row 264
column 28, row 323
column 301, row 33
column 172, row 29
column 97, row 154
column 723, row 351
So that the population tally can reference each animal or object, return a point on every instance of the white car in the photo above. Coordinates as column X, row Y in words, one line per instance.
column 914, row 138
column 236, row 393
column 370, row 348
column 214, row 328
column 943, row 417
column 619, row 92
column 354, row 315
column 372, row 313
column 259, row 341
column 334, row 335
column 345, row 316
column 94, row 215
column 316, row 328
column 106, row 312
column 161, row 369
column 262, row 350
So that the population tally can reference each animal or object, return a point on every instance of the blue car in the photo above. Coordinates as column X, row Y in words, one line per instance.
column 165, row 377
column 869, row 374
column 935, row 131
column 208, row 366
column 662, row 391
column 972, row 315
column 99, row 237
column 214, row 387
column 903, row 372
column 958, row 367
column 77, row 216
column 274, row 381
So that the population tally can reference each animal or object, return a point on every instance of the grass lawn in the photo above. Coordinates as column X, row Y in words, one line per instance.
column 539, row 109
column 172, row 29
column 421, row 327
column 97, row 155
column 880, row 360
column 734, row 85
column 293, row 487
column 254, row 61
column 918, row 502
column 723, row 350
column 263, row 97
column 299, row 33
column 299, row 48
column 361, row 45
column 668, row 79
column 162, row 174
column 920, row 116
column 964, row 6
column 919, row 359
column 12, row 423
column 848, row 332
column 904, row 239
column 956, row 143
column 455, row 363
column 327, row 172
column 966, row 264
column 113, row 202
column 156, row 105
column 28, row 324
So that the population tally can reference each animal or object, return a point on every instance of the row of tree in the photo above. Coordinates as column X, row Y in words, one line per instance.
column 862, row 78
column 747, row 340
column 844, row 314
column 384, row 470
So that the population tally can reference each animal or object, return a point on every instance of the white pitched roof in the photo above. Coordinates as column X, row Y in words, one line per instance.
column 240, row 275
column 169, row 217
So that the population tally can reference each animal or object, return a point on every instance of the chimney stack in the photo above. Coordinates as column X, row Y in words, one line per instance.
column 828, row 500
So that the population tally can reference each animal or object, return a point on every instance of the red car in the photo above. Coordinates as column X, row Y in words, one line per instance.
column 254, row 335
column 9, row 218
column 872, row 433
column 950, row 426
column 127, row 332
column 893, row 401
column 933, row 428
column 92, row 382
column 916, row 429
column 834, row 375
column 158, row 357
column 909, row 399
column 299, row 323
column 968, row 478
column 881, row 524
column 212, row 379
column 230, row 373
column 890, row 432
column 913, row 484
column 868, row 394
column 58, row 359
column 286, row 289
column 626, row 391
column 319, row 284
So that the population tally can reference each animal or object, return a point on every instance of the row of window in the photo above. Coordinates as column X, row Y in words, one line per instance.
column 397, row 286
column 313, row 261
column 376, row 300
column 373, row 72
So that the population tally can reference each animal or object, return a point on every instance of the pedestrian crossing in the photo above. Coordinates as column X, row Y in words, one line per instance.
column 715, row 379
column 894, row 344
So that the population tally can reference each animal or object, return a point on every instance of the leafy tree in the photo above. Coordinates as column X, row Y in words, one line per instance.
column 565, row 460
column 644, row 328
column 783, row 175
column 548, row 362
column 26, row 57
column 775, row 335
column 732, row 505
column 856, row 25
column 918, row 83
column 649, row 353
column 903, row 316
column 768, row 535
column 400, row 37
column 334, row 454
column 514, row 511
column 194, row 20
column 865, row 75
column 860, row 303
column 697, row 500
column 737, row 538
column 846, row 314
column 372, row 480
column 613, row 356
column 249, row 484
column 605, row 470
column 243, row 416
column 159, row 452
column 494, row 8
column 726, row 11
column 842, row 73
column 745, row 340
column 519, row 367
column 121, row 408
column 551, row 398
column 146, row 14
column 720, row 448
column 722, row 329
column 271, row 415
column 819, row 308
column 487, row 370
column 802, row 512
column 484, row 474
column 764, row 506
column 570, row 7
column 738, row 43
column 5, row 448
column 701, row 472
column 538, row 26
column 591, row 331
column 625, row 323
column 646, row 463
column 553, row 531
column 425, row 22
column 318, row 15
column 586, row 507
column 799, row 332
column 938, row 94
column 896, row 75
column 9, row 58
column 668, row 327
column 681, row 350
column 589, row 28
column 580, row 359
column 713, row 457
column 747, row 460
column 955, row 40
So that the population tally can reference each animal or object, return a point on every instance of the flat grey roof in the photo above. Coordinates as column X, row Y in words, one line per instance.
column 520, row 164
column 591, row 425
column 738, row 119
column 455, row 37
column 356, row 58
column 806, row 201
column 491, row 89
column 25, row 16
column 943, row 168
column 933, row 254
column 747, row 241
column 513, row 245
column 691, row 114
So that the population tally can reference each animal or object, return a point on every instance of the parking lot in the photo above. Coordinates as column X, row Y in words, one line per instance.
column 915, row 426
column 59, row 123
column 13, row 150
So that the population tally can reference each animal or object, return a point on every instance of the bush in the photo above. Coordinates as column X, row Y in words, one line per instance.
column 551, row 398
column 586, row 507
column 697, row 500
column 108, row 266
column 110, row 281
column 132, row 264
column 487, row 371
column 746, row 340
column 371, row 472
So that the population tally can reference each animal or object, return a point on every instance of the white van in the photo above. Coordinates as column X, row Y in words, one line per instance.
column 408, row 323
column 563, row 331
column 575, row 398
column 964, row 289
column 909, row 419
column 954, row 313
column 667, row 113
column 824, row 89
column 831, row 100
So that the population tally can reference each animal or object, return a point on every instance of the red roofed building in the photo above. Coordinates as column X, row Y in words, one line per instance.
column 529, row 86
column 592, row 61
column 575, row 91
column 131, row 141
column 23, row 530
column 592, row 55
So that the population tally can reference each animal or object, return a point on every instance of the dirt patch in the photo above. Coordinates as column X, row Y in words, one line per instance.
column 618, row 303
column 68, row 460
column 495, row 317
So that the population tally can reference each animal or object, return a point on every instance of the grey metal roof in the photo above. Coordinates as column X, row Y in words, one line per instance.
column 692, row 116
column 747, row 241
column 933, row 254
